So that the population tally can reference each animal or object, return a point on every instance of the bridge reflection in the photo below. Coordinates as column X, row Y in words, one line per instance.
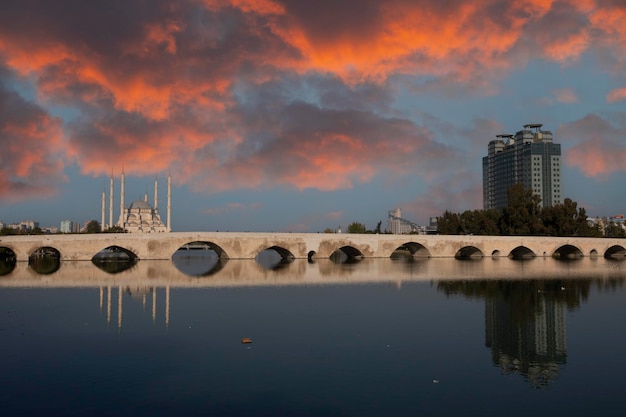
column 222, row 273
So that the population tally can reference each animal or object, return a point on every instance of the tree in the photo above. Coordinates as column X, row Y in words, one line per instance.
column 566, row 219
column 93, row 227
column 378, row 226
column 329, row 230
column 521, row 214
column 8, row 231
column 114, row 229
column 356, row 227
column 614, row 230
column 449, row 223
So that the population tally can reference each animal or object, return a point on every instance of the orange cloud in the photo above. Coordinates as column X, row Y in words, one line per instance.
column 619, row 94
column 597, row 158
column 565, row 95
column 599, row 149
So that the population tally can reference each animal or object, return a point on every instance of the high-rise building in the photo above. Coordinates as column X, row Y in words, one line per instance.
column 67, row 226
column 530, row 158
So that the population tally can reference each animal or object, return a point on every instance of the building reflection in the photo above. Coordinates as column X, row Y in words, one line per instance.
column 140, row 294
column 534, row 346
column 525, row 322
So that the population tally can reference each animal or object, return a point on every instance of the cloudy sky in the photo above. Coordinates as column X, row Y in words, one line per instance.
column 293, row 115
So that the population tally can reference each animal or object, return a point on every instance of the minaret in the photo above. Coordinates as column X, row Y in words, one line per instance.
column 103, row 205
column 167, row 306
column 169, row 203
column 156, row 194
column 122, row 217
column 111, row 200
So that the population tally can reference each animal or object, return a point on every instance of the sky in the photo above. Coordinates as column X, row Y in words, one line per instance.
column 297, row 116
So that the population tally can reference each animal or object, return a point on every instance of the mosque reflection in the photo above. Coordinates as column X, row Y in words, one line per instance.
column 525, row 321
column 111, row 297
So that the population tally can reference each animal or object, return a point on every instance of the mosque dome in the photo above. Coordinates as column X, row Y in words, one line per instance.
column 140, row 204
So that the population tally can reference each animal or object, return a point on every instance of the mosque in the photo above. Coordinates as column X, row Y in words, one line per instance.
column 139, row 216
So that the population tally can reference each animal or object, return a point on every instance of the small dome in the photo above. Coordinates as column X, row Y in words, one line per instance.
column 140, row 204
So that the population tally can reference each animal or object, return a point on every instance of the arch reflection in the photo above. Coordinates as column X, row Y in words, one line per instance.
column 8, row 260
column 198, row 261
column 45, row 260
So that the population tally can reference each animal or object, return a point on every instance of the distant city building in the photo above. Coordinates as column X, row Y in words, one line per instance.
column 399, row 226
column 604, row 222
column 67, row 226
column 530, row 158
column 23, row 226
column 432, row 228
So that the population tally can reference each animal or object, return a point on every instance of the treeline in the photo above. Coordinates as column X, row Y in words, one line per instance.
column 524, row 216
column 9, row 231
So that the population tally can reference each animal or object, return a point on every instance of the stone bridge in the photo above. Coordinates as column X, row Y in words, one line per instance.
column 233, row 245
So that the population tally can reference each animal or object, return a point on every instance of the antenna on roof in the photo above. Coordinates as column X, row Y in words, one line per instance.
column 536, row 126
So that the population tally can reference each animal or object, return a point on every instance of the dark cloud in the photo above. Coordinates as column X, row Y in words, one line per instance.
column 30, row 141
column 260, row 92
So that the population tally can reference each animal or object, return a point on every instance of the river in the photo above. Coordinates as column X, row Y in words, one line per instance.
column 372, row 338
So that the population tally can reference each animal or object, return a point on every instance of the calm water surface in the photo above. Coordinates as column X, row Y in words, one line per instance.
column 376, row 338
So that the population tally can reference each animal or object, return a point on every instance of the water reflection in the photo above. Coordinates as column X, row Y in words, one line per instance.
column 45, row 260
column 199, row 262
column 525, row 320
column 113, row 297
column 7, row 261
column 272, row 259
column 367, row 338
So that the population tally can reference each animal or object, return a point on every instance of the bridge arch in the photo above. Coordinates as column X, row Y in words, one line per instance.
column 199, row 259
column 115, row 259
column 346, row 254
column 115, row 252
column 568, row 252
column 495, row 253
column 417, row 250
column 8, row 260
column 274, row 257
column 202, row 245
column 522, row 253
column 45, row 260
column 469, row 253
column 615, row 252
column 284, row 253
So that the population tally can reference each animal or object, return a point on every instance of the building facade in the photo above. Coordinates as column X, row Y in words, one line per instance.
column 140, row 217
column 399, row 226
column 530, row 158
column 67, row 226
